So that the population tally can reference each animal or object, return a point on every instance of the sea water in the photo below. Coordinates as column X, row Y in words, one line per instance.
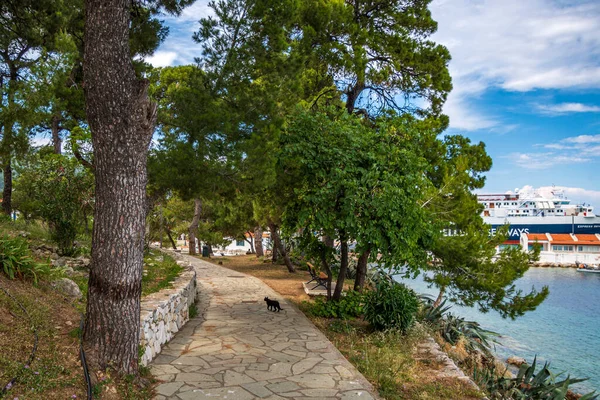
column 564, row 329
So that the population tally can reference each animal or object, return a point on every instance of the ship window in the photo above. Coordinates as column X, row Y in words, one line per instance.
column 562, row 248
column 588, row 249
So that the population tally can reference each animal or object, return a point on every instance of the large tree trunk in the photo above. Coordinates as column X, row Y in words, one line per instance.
column 56, row 140
column 7, row 192
column 250, row 242
column 7, row 139
column 258, row 242
column 339, row 286
column 194, row 226
column 121, row 118
column 274, row 244
column 361, row 270
column 278, row 244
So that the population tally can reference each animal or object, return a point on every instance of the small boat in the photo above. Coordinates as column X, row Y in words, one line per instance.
column 588, row 268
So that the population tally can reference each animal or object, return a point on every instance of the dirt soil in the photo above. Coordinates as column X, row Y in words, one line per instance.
column 289, row 285
column 55, row 372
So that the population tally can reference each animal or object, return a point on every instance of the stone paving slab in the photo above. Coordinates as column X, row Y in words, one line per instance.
column 236, row 349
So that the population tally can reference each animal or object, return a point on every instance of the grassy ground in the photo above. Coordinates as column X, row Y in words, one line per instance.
column 160, row 270
column 385, row 359
column 56, row 372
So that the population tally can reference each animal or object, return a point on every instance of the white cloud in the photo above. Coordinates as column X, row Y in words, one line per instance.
column 515, row 45
column 193, row 13
column 577, row 146
column 567, row 151
column 583, row 139
column 566, row 108
column 38, row 141
column 577, row 195
column 162, row 58
column 544, row 160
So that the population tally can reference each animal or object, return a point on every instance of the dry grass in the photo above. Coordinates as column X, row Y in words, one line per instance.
column 287, row 284
column 385, row 359
column 55, row 373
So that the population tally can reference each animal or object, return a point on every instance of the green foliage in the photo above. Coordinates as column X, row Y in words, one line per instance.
column 528, row 384
column 346, row 177
column 452, row 328
column 16, row 260
column 467, row 270
column 160, row 270
column 59, row 191
column 382, row 48
column 193, row 311
column 463, row 262
column 347, row 307
column 391, row 306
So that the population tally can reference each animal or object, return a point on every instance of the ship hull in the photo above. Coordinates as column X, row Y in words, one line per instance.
column 566, row 224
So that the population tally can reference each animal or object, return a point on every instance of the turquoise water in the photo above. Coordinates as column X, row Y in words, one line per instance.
column 564, row 329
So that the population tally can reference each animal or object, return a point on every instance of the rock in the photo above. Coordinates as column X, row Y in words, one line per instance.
column 516, row 361
column 68, row 287
column 60, row 262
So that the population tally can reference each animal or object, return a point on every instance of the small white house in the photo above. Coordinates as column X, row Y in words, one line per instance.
column 564, row 248
column 240, row 247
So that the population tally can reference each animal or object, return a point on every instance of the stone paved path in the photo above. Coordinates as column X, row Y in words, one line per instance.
column 237, row 350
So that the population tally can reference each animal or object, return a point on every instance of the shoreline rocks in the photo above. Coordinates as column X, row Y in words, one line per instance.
column 516, row 361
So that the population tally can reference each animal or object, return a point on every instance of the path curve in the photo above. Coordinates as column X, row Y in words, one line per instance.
column 236, row 349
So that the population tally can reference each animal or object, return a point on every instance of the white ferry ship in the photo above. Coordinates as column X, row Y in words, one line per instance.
column 530, row 212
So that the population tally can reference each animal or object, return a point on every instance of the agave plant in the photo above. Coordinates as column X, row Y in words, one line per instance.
column 452, row 328
column 430, row 313
column 528, row 384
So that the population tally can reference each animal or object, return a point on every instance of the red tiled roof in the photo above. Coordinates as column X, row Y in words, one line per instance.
column 537, row 236
column 587, row 239
column 562, row 237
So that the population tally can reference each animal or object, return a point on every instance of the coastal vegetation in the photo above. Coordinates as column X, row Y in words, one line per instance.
column 318, row 121
column 391, row 359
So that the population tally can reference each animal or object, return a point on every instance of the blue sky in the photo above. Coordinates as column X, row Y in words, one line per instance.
column 526, row 76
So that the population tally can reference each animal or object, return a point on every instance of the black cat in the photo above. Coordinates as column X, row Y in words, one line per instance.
column 273, row 305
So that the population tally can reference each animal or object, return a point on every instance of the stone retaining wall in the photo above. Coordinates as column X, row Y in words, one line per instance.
column 164, row 313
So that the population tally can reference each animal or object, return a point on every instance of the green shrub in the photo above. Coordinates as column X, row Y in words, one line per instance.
column 452, row 328
column 349, row 306
column 58, row 190
column 392, row 305
column 16, row 260
column 431, row 314
column 528, row 384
